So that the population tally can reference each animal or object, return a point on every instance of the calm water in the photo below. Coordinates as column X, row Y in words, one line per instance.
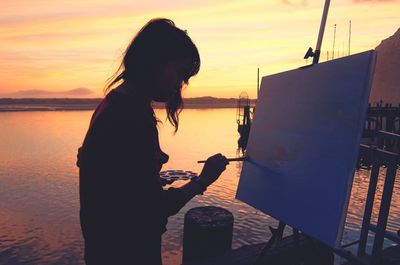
column 39, row 203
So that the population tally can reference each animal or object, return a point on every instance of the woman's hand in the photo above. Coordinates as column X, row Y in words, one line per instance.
column 212, row 169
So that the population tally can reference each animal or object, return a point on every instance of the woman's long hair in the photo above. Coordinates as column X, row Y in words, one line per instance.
column 156, row 44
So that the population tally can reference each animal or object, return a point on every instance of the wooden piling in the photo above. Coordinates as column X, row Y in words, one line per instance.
column 207, row 233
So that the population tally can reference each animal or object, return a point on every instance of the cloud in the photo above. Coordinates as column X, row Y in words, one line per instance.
column 295, row 2
column 376, row 1
column 38, row 93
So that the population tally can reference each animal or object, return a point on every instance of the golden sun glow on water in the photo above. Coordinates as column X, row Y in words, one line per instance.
column 62, row 45
column 39, row 198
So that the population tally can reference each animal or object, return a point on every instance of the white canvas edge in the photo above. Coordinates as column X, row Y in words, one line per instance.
column 363, row 114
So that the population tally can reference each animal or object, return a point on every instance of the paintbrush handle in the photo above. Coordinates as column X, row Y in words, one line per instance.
column 229, row 159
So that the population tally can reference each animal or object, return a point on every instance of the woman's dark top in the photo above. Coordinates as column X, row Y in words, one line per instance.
column 124, row 208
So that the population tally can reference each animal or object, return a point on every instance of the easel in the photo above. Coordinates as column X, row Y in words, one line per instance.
column 277, row 233
column 378, row 157
column 294, row 250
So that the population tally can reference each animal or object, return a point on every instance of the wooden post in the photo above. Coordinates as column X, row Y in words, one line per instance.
column 207, row 232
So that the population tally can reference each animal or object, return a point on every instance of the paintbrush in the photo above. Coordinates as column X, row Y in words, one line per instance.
column 229, row 159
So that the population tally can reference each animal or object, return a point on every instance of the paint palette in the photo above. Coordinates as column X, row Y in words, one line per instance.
column 172, row 175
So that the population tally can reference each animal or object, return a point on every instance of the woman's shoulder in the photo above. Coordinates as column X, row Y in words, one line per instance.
column 119, row 109
column 129, row 102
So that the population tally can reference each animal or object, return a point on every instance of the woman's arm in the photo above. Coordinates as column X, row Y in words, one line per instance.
column 175, row 198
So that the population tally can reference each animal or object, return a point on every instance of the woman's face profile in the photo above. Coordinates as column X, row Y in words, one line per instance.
column 170, row 80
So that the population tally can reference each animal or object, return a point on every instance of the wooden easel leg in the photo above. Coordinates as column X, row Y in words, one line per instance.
column 277, row 234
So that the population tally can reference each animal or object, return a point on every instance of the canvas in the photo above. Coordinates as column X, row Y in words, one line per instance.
column 304, row 143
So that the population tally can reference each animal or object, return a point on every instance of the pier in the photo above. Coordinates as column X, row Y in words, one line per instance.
column 382, row 118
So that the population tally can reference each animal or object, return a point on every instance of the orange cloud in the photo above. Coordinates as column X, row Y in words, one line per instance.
column 295, row 2
column 60, row 45
column 377, row 1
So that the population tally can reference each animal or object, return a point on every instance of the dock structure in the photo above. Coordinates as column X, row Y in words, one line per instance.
column 380, row 159
column 248, row 255
column 381, row 127
column 243, row 119
column 292, row 250
column 381, row 118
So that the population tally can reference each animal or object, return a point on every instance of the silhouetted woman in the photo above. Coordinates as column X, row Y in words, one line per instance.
column 124, row 208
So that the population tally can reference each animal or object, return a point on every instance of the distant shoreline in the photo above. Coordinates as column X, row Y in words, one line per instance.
column 80, row 104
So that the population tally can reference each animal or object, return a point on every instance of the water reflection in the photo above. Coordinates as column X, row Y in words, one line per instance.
column 39, row 222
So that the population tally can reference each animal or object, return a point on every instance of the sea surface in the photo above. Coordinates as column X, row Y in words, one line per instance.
column 39, row 203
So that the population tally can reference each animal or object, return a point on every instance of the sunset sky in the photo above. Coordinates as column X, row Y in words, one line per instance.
column 67, row 44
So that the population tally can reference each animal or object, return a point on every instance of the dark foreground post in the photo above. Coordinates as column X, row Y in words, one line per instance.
column 207, row 232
